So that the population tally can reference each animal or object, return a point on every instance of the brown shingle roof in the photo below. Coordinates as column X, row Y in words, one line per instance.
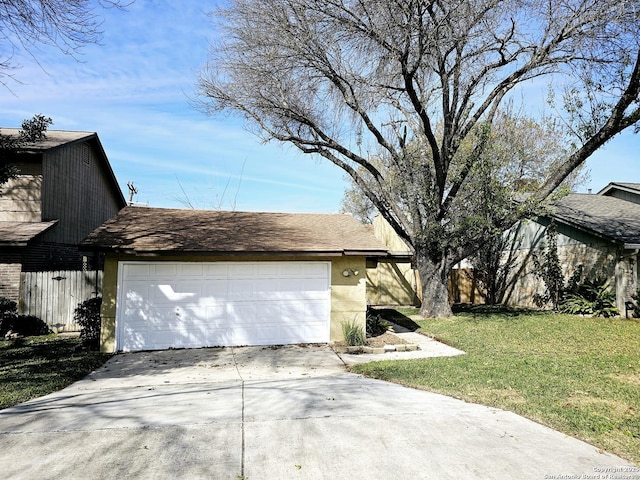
column 607, row 217
column 19, row 234
column 53, row 138
column 140, row 230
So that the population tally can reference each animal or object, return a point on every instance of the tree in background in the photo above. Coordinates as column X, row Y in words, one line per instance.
column 66, row 25
column 33, row 130
column 404, row 96
column 358, row 205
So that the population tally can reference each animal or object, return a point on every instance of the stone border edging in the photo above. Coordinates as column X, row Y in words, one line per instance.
column 404, row 347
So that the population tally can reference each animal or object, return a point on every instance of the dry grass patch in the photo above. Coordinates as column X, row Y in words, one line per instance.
column 630, row 379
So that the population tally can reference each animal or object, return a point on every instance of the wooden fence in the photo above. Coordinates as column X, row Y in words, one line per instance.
column 53, row 296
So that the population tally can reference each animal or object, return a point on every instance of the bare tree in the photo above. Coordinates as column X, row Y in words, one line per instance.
column 419, row 83
column 65, row 24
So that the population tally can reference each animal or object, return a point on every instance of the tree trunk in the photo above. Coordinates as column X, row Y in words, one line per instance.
column 434, row 277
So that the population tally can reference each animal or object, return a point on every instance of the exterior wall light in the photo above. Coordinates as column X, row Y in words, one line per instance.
column 350, row 271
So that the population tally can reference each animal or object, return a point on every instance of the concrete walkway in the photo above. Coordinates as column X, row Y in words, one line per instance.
column 427, row 348
column 272, row 413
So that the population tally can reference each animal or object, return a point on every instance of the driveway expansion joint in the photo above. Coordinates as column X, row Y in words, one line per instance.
column 242, row 419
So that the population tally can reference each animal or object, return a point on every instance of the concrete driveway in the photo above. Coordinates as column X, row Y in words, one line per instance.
column 273, row 413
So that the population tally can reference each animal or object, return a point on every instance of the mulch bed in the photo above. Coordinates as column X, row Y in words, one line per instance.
column 387, row 338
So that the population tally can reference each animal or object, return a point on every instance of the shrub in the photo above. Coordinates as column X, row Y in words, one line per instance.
column 29, row 326
column 8, row 315
column 376, row 325
column 353, row 334
column 23, row 325
column 635, row 311
column 8, row 308
column 87, row 315
column 591, row 297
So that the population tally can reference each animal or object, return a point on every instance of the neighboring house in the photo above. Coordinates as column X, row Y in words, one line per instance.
column 65, row 189
column 600, row 232
column 189, row 278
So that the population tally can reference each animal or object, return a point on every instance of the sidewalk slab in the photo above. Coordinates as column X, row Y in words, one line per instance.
column 427, row 348
column 272, row 413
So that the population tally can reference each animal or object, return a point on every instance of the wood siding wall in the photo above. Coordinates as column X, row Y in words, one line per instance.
column 21, row 199
column 626, row 196
column 76, row 191
column 54, row 296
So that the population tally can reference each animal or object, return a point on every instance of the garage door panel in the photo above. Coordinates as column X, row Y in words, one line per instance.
column 241, row 313
column 172, row 292
column 240, row 289
column 142, row 318
column 316, row 309
column 132, row 271
column 182, row 304
column 164, row 270
column 135, row 295
column 242, row 270
column 216, row 270
column 191, row 270
column 215, row 289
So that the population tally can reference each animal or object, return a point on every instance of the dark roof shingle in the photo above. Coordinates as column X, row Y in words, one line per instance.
column 140, row 230
column 52, row 139
column 21, row 233
column 605, row 216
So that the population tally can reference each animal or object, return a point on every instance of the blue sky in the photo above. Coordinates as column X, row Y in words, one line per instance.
column 135, row 90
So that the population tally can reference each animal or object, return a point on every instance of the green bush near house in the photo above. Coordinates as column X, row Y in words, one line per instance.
column 591, row 297
column 87, row 315
column 376, row 325
column 354, row 334
column 20, row 325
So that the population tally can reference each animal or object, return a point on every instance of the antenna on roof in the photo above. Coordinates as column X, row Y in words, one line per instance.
column 132, row 191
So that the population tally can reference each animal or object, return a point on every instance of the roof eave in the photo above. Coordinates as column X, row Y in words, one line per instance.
column 15, row 244
column 588, row 230
column 617, row 186
column 365, row 253
column 257, row 253
column 25, row 243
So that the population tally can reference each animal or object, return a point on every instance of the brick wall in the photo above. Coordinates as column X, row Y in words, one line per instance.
column 10, row 280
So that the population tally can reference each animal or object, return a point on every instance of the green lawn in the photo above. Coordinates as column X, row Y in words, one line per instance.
column 578, row 375
column 34, row 366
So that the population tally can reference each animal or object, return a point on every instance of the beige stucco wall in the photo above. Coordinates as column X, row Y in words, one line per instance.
column 392, row 283
column 387, row 235
column 348, row 294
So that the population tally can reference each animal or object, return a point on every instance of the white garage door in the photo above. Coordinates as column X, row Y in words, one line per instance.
column 187, row 304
